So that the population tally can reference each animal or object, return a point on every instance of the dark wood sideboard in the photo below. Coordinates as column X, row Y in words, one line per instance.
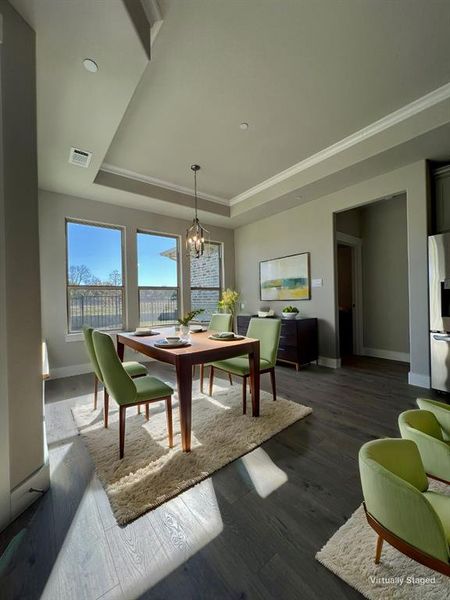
column 298, row 340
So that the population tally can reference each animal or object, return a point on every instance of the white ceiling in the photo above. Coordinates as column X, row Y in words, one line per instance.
column 304, row 74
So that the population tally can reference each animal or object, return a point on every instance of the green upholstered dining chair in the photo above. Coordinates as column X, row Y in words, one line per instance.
column 441, row 411
column 422, row 427
column 133, row 368
column 219, row 322
column 267, row 331
column 127, row 391
column 399, row 506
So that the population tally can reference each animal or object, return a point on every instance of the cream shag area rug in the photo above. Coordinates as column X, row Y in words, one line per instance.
column 350, row 554
column 150, row 472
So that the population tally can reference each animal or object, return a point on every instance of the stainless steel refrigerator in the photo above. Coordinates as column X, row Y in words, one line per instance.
column 439, row 289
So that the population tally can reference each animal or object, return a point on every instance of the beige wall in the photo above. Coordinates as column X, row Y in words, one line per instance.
column 69, row 357
column 21, row 315
column 309, row 228
column 385, row 276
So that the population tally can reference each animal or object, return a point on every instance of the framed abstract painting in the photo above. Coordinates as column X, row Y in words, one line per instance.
column 285, row 278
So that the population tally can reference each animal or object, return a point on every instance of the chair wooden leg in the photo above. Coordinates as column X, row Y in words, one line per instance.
column 193, row 371
column 95, row 391
column 169, row 420
column 244, row 396
column 274, row 385
column 147, row 411
column 122, row 416
column 138, row 409
column 105, row 408
column 229, row 377
column 211, row 380
column 379, row 549
column 202, row 375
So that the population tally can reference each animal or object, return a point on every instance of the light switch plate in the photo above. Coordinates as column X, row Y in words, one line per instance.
column 317, row 283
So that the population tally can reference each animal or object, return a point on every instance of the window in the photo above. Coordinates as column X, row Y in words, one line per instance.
column 206, row 280
column 95, row 290
column 157, row 278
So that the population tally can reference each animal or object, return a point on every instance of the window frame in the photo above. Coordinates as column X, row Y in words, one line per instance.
column 123, row 287
column 178, row 288
column 220, row 289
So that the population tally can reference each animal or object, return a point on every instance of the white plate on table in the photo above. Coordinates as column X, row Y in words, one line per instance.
column 202, row 330
column 226, row 339
column 166, row 344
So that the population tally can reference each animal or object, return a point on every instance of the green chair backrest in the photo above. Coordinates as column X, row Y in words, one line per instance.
column 117, row 381
column 422, row 420
column 441, row 411
column 267, row 331
column 87, row 332
column 392, row 480
column 221, row 322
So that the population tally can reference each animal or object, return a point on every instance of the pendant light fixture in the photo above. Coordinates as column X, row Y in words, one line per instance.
column 196, row 236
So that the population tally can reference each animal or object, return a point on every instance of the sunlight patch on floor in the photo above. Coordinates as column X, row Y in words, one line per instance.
column 263, row 472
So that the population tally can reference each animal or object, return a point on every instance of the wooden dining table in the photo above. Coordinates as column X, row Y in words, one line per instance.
column 201, row 350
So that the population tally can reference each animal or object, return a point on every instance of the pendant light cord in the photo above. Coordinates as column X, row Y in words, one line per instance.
column 195, row 193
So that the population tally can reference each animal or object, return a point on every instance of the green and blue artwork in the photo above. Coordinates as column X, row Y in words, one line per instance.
column 286, row 278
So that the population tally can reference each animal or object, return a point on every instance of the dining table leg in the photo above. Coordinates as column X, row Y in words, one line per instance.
column 255, row 378
column 120, row 350
column 184, row 383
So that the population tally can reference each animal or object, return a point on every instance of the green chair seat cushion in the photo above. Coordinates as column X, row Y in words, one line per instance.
column 441, row 505
column 150, row 388
column 240, row 365
column 134, row 369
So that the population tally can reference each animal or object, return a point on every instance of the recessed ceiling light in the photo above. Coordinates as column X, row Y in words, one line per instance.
column 90, row 65
column 243, row 126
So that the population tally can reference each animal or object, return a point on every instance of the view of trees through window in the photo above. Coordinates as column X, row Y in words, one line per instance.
column 206, row 280
column 157, row 278
column 95, row 281
column 94, row 276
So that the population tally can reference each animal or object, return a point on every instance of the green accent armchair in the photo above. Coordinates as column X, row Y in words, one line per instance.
column 133, row 368
column 441, row 411
column 399, row 506
column 127, row 391
column 422, row 427
column 267, row 331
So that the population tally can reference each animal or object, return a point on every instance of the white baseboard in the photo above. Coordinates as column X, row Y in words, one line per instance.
column 387, row 354
column 21, row 497
column 419, row 380
column 332, row 363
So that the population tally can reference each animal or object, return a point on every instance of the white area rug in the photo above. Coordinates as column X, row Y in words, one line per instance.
column 350, row 554
column 151, row 473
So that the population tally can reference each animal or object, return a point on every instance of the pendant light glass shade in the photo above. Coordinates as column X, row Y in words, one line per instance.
column 197, row 237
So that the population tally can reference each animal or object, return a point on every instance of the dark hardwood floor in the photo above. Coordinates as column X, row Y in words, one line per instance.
column 223, row 539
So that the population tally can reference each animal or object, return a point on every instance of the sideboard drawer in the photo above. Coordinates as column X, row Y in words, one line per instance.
column 289, row 338
column 289, row 354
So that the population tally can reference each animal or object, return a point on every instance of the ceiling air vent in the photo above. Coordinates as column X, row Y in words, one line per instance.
column 78, row 157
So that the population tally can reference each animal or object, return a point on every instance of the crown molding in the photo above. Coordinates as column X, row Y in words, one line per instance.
column 409, row 110
column 108, row 168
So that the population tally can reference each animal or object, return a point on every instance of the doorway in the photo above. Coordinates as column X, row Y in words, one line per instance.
column 345, row 299
column 349, row 294
column 371, row 264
